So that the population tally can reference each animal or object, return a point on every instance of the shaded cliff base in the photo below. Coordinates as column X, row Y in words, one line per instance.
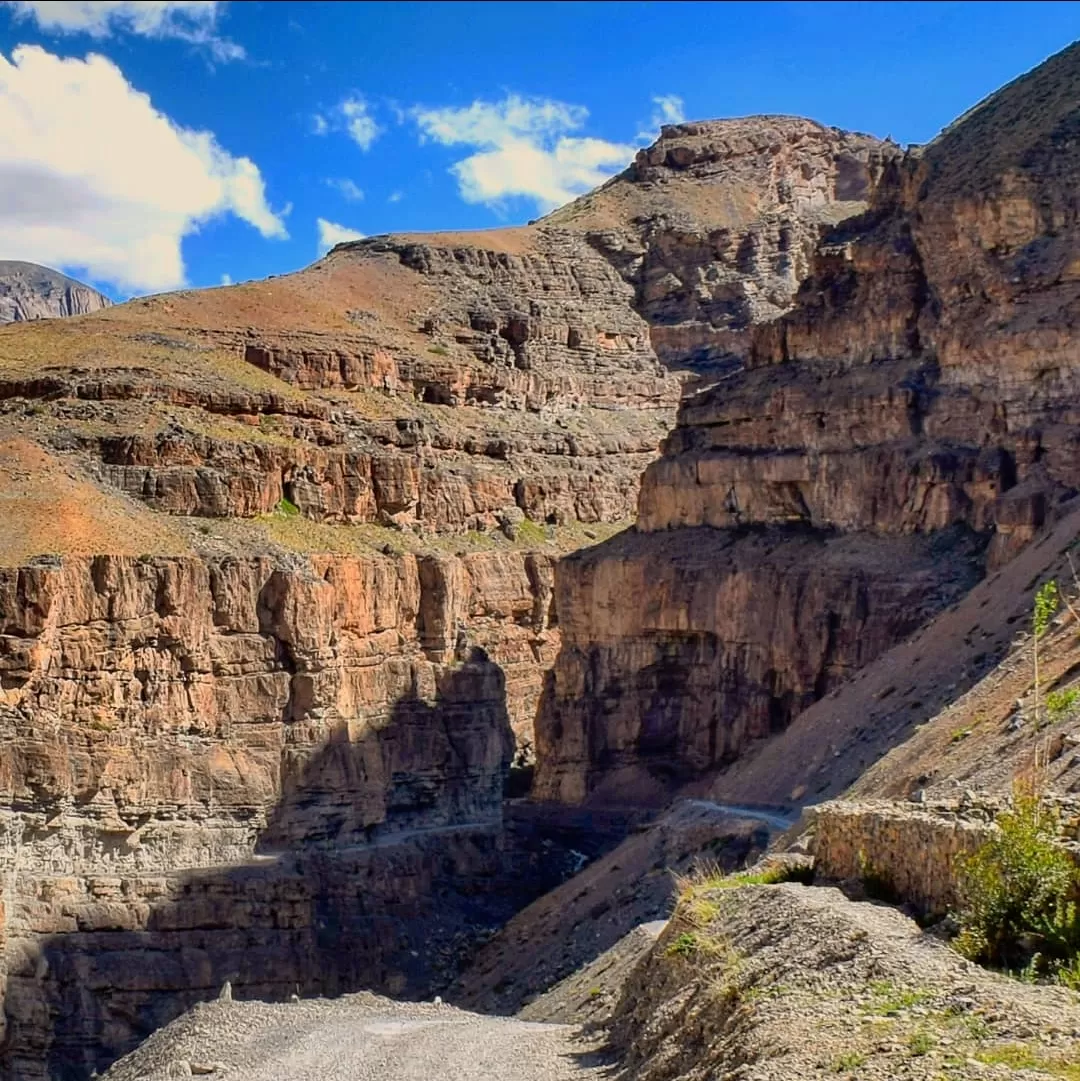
column 895, row 726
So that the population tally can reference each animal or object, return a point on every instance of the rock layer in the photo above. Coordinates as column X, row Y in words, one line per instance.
column 278, row 575
column 716, row 223
column 922, row 389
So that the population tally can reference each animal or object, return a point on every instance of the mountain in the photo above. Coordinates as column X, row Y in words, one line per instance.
column 277, row 565
column 904, row 430
column 719, row 481
column 29, row 291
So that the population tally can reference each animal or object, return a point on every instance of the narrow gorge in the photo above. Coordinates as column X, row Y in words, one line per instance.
column 301, row 578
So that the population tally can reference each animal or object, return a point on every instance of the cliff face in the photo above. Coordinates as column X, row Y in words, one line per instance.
column 277, row 581
column 917, row 402
column 29, row 291
column 715, row 225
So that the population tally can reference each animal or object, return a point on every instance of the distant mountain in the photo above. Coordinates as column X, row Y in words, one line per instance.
column 29, row 291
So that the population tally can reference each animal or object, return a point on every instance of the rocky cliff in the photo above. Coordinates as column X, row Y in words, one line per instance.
column 715, row 225
column 917, row 404
column 29, row 291
column 277, row 589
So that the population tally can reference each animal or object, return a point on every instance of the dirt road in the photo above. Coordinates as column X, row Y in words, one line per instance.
column 359, row 1037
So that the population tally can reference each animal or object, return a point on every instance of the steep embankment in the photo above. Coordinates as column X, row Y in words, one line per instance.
column 917, row 406
column 789, row 982
column 29, row 291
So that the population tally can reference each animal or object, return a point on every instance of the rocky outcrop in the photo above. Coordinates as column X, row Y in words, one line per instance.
column 911, row 851
column 29, row 291
column 920, row 390
column 730, row 635
column 716, row 223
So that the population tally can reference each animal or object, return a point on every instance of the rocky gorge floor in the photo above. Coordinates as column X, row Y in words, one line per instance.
column 774, row 983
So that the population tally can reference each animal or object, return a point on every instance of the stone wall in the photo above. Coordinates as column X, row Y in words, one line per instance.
column 910, row 850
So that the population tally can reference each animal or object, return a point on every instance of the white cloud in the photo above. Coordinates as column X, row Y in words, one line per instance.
column 359, row 122
column 667, row 109
column 352, row 115
column 226, row 279
column 395, row 197
column 193, row 21
column 346, row 188
column 331, row 233
column 523, row 149
column 93, row 177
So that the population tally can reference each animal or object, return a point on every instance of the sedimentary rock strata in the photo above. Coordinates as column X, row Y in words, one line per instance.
column 922, row 387
column 278, row 578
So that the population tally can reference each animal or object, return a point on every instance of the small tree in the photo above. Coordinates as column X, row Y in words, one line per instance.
column 1018, row 892
column 1046, row 604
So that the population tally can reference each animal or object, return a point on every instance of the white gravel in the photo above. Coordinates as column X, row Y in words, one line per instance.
column 358, row 1037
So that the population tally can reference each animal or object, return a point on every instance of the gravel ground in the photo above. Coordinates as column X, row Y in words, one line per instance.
column 358, row 1037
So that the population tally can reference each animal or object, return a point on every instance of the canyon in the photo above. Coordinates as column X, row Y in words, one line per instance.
column 298, row 578
column 278, row 600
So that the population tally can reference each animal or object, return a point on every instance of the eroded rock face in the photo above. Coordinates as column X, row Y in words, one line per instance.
column 730, row 634
column 716, row 223
column 918, row 400
column 300, row 595
column 29, row 291
column 174, row 687
column 162, row 715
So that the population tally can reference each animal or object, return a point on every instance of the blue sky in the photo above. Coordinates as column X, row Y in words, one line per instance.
column 150, row 145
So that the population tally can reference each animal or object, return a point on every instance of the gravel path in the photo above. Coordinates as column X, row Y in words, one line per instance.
column 358, row 1037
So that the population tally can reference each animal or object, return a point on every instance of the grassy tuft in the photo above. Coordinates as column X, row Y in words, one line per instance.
column 1020, row 1056
column 848, row 1061
column 1062, row 704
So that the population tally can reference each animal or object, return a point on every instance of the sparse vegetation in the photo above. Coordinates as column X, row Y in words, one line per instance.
column 848, row 1061
column 890, row 999
column 287, row 508
column 921, row 1042
column 1018, row 894
column 712, row 877
column 1062, row 704
column 530, row 532
column 438, row 350
column 684, row 945
column 1021, row 1056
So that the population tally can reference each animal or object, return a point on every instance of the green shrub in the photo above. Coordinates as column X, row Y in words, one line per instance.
column 287, row 508
column 685, row 945
column 438, row 350
column 1018, row 894
column 1060, row 704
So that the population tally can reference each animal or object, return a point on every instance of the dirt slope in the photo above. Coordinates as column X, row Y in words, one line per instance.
column 783, row 983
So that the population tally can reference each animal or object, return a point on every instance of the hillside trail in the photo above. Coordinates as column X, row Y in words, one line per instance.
column 360, row 1037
